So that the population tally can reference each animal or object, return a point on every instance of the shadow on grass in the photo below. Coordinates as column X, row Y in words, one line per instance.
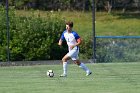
column 127, row 15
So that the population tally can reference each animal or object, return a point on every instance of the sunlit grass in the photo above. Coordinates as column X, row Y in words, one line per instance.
column 106, row 24
column 106, row 78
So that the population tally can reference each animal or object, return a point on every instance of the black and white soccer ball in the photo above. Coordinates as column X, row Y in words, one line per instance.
column 50, row 73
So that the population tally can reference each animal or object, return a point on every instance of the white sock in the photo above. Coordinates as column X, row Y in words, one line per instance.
column 64, row 68
column 84, row 67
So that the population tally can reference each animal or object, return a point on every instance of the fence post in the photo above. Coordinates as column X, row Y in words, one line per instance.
column 93, row 24
column 8, row 34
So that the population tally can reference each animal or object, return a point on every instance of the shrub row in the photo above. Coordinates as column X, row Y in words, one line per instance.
column 118, row 50
column 31, row 38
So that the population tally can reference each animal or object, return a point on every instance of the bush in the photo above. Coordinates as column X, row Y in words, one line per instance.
column 86, row 48
column 118, row 50
column 31, row 38
column 111, row 50
column 2, row 34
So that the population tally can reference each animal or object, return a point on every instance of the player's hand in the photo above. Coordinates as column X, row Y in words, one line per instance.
column 60, row 42
column 72, row 46
column 59, row 45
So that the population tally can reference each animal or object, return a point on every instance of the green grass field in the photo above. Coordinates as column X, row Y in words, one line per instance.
column 106, row 78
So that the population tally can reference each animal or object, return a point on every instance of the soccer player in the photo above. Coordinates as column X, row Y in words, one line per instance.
column 73, row 41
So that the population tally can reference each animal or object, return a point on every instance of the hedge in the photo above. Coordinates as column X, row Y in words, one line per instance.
column 31, row 38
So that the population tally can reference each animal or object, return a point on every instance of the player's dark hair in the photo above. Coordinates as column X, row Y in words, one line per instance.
column 70, row 23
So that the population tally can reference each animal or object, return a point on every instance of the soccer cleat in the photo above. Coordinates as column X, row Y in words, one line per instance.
column 88, row 73
column 63, row 75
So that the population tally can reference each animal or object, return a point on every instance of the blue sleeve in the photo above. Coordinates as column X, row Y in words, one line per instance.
column 62, row 36
column 76, row 35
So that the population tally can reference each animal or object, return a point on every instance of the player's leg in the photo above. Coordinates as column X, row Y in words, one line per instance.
column 64, row 60
column 83, row 66
column 75, row 58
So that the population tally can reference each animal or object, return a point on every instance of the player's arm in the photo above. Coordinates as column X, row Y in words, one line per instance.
column 61, row 39
column 78, row 39
column 60, row 42
column 78, row 42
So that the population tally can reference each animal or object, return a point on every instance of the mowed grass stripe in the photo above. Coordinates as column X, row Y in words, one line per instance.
column 106, row 78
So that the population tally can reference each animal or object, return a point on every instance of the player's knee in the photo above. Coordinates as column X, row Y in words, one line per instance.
column 77, row 63
column 64, row 60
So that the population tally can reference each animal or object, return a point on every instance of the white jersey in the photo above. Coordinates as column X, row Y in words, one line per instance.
column 71, row 38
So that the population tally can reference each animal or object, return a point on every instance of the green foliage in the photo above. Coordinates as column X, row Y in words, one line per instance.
column 118, row 50
column 51, row 4
column 86, row 48
column 32, row 38
column 2, row 34
column 111, row 50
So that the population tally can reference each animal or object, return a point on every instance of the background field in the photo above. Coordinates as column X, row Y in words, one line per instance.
column 106, row 78
column 106, row 24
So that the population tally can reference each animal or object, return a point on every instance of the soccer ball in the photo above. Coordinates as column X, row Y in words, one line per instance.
column 50, row 73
